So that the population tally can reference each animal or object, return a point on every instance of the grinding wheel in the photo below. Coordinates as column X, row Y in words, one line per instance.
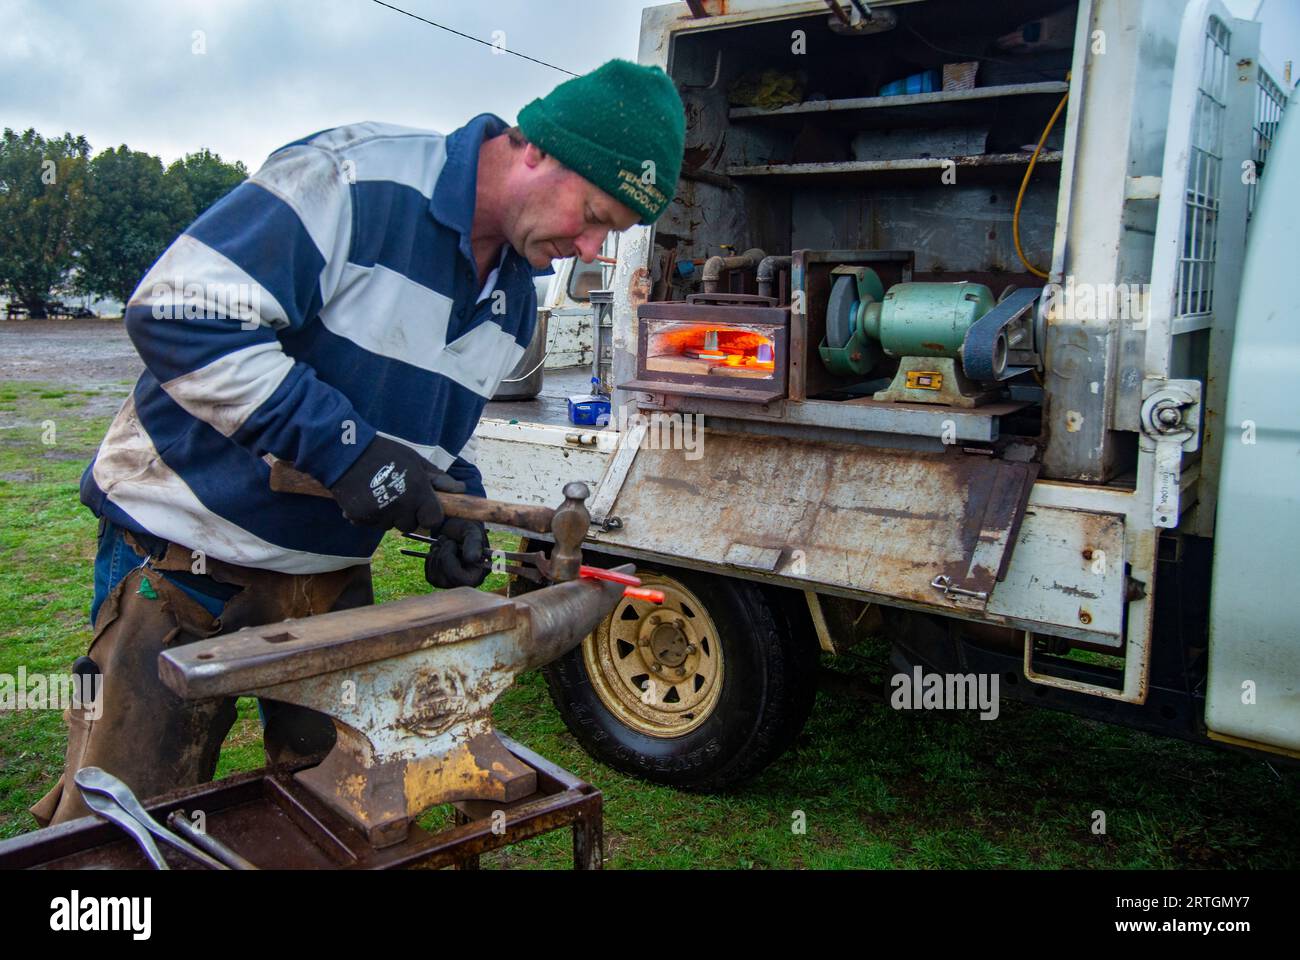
column 840, row 311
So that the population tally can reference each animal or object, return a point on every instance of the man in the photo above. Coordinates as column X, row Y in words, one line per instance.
column 350, row 308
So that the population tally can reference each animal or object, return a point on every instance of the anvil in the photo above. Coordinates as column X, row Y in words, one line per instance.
column 410, row 684
column 410, row 687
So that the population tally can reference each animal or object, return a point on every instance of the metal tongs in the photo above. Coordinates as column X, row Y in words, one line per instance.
column 113, row 800
column 536, row 566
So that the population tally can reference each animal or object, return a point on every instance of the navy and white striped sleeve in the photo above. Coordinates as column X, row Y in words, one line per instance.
column 205, row 318
column 466, row 472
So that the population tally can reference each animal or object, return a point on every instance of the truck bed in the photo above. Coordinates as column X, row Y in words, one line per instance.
column 550, row 406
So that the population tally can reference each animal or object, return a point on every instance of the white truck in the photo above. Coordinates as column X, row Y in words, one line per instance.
column 949, row 337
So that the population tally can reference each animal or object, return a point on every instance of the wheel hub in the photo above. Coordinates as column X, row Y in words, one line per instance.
column 665, row 642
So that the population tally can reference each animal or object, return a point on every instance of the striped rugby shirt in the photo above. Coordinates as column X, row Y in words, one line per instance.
column 330, row 297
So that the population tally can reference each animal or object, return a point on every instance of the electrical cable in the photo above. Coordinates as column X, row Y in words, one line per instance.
column 1024, row 184
column 539, row 362
column 494, row 46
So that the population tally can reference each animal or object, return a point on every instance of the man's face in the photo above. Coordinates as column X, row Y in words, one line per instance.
column 559, row 213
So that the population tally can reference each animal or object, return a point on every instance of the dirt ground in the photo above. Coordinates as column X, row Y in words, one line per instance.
column 92, row 353
column 98, row 354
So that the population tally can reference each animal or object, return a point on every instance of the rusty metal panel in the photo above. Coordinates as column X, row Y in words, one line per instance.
column 1066, row 576
column 766, row 559
column 882, row 521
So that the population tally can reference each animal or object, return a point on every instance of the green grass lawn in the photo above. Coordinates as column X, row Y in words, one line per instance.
column 875, row 787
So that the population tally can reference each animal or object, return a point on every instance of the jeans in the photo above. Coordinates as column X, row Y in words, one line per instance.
column 115, row 559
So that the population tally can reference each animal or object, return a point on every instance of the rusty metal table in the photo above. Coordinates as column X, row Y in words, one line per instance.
column 268, row 817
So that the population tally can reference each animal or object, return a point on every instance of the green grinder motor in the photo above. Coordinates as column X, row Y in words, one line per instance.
column 923, row 324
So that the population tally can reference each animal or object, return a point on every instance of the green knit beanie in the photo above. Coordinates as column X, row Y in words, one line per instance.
column 622, row 127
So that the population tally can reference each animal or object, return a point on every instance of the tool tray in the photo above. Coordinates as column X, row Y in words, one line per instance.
column 269, row 818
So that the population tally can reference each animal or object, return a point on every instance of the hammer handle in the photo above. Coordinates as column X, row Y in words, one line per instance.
column 285, row 479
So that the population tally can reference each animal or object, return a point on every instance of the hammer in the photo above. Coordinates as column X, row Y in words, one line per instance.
column 568, row 523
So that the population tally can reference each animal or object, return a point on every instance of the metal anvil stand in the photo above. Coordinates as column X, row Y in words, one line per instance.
column 410, row 687
column 272, row 819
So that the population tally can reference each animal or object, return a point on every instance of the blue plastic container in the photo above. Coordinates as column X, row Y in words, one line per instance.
column 928, row 81
column 590, row 409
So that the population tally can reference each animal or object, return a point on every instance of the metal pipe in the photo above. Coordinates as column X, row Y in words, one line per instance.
column 835, row 9
column 180, row 824
column 768, row 268
column 715, row 267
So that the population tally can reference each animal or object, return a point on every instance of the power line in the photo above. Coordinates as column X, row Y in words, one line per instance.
column 475, row 39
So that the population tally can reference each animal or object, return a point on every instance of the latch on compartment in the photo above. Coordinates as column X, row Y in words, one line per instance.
column 1171, row 424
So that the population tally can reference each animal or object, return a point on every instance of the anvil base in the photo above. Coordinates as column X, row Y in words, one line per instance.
column 382, row 799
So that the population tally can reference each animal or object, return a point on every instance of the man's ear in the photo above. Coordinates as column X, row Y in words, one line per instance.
column 534, row 156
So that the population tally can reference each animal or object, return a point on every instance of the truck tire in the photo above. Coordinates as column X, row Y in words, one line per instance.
column 734, row 681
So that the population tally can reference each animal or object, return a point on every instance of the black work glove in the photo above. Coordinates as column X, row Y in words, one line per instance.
column 456, row 560
column 391, row 485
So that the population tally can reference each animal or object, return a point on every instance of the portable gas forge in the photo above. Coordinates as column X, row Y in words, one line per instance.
column 731, row 346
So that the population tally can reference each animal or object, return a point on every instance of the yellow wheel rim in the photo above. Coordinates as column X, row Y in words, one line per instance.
column 657, row 667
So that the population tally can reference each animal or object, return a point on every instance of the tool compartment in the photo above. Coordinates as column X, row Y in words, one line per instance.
column 810, row 179
column 800, row 165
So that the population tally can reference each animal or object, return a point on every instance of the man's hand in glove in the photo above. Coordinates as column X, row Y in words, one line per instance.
column 391, row 485
column 456, row 560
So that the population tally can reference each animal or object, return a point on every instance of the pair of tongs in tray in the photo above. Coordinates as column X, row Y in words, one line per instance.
column 113, row 800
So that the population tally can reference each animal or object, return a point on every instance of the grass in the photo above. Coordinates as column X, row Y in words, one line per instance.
column 872, row 787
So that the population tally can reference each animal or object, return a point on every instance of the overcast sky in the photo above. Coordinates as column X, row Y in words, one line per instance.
column 125, row 71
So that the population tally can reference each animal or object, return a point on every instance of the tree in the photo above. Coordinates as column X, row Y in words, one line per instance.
column 207, row 179
column 42, row 191
column 132, row 213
